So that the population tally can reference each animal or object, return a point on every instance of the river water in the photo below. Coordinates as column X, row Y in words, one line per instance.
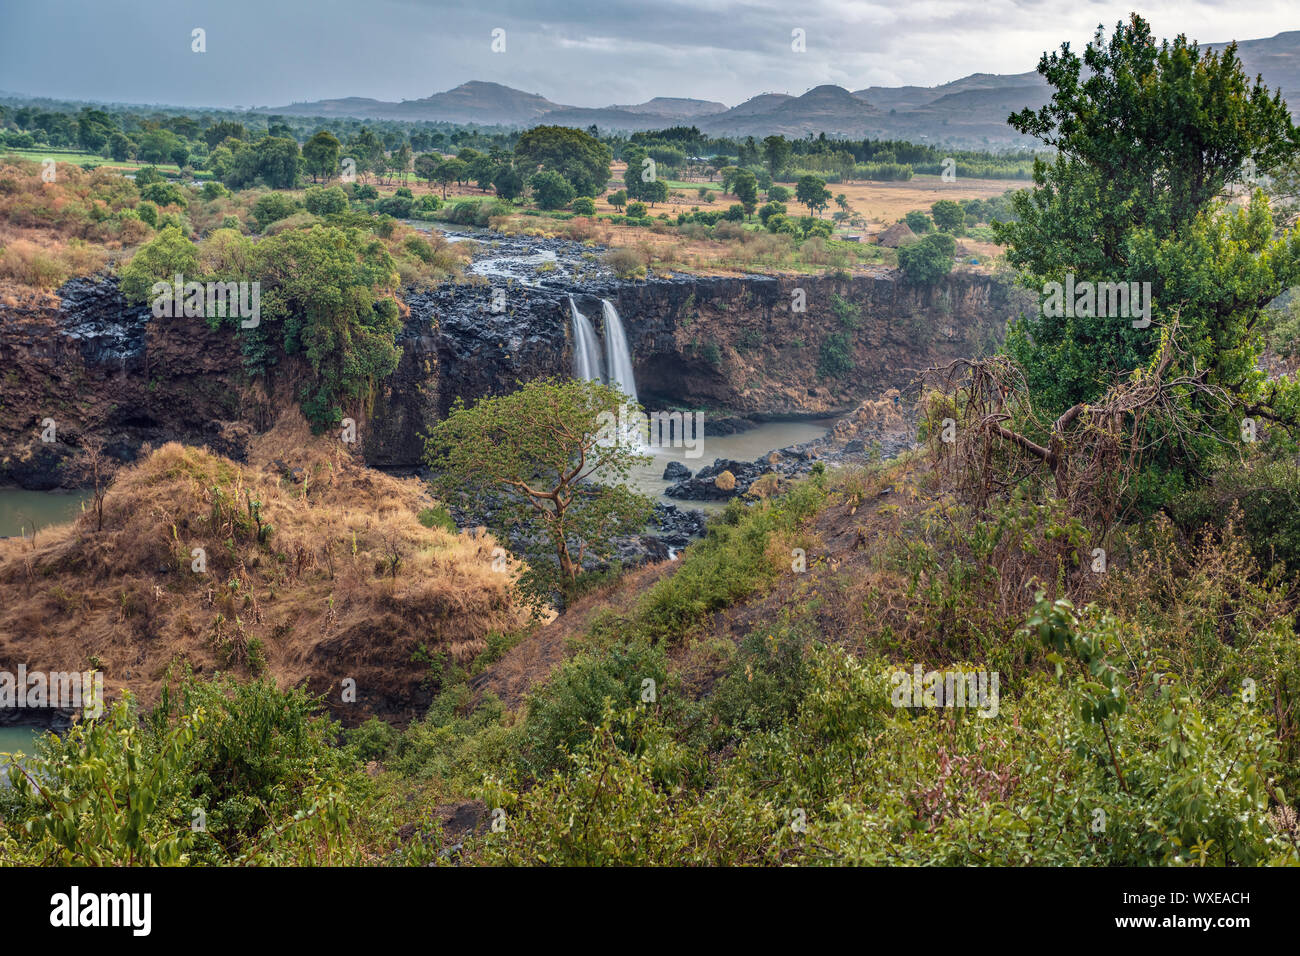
column 743, row 446
column 20, row 510
column 14, row 739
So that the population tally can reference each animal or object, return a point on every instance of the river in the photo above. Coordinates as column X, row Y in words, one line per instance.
column 20, row 510
column 742, row 446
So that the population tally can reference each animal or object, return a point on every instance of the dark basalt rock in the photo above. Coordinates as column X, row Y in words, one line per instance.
column 704, row 487
column 678, row 527
column 676, row 471
column 94, row 313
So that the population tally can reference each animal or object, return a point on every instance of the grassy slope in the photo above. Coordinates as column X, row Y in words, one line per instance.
column 317, row 601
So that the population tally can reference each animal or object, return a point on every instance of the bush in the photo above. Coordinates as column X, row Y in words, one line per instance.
column 325, row 200
column 399, row 207
column 271, row 207
column 584, row 206
column 551, row 190
column 836, row 357
column 163, row 194
column 626, row 263
column 918, row 222
column 169, row 253
column 929, row 260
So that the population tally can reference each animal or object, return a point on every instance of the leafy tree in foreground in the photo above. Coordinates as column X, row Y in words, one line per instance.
column 544, row 461
column 1145, row 145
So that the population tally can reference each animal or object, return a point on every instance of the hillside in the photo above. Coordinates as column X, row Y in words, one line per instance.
column 315, row 569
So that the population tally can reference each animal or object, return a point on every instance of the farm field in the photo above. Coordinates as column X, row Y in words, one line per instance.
column 64, row 156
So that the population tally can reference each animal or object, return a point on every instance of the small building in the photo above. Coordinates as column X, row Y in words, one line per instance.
column 899, row 234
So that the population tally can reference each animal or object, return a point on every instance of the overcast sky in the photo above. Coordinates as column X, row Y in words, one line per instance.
column 578, row 52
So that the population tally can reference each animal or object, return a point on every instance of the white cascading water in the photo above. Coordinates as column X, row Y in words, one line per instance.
column 618, row 358
column 586, row 351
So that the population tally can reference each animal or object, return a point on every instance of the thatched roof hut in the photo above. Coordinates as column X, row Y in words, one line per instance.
column 899, row 234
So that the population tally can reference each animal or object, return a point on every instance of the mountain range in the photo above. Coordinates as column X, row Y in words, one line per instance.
column 968, row 111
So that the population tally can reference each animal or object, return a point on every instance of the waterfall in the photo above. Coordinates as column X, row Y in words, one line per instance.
column 586, row 353
column 618, row 358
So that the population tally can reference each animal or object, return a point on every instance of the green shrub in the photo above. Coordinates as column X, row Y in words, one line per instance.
column 272, row 207
column 835, row 359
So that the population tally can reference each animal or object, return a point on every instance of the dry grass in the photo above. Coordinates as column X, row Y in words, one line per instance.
column 348, row 584
column 50, row 231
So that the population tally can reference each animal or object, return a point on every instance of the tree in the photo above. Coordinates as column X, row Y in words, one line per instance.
column 639, row 167
column 449, row 171
column 325, row 201
column 929, row 260
column 812, row 192
column 541, row 463
column 1146, row 143
column 617, row 199
column 120, row 148
column 508, row 181
column 654, row 192
column 328, row 294
column 776, row 153
column 223, row 130
column 482, row 169
column 400, row 162
column 579, row 157
column 948, row 215
column 271, row 160
column 157, row 146
column 918, row 222
column 320, row 155
column 550, row 189
column 426, row 166
column 745, row 186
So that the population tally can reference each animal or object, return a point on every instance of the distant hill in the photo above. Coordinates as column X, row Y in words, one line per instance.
column 675, row 106
column 829, row 109
column 970, row 111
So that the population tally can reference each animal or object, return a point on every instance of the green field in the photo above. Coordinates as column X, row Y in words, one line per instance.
column 72, row 156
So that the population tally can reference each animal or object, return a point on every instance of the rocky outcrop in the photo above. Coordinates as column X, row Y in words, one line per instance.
column 720, row 481
column 743, row 349
column 455, row 346
column 85, row 370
